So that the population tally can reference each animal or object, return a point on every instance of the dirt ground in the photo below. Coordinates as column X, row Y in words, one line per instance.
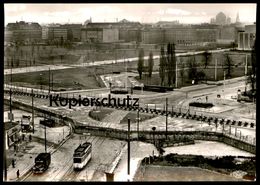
column 154, row 173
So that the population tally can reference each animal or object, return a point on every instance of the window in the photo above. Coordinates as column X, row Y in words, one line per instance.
column 77, row 160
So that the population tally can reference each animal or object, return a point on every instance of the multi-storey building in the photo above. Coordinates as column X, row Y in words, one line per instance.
column 54, row 32
column 99, row 35
column 23, row 32
column 226, row 33
column 73, row 31
column 181, row 35
column 246, row 39
column 127, row 31
column 153, row 36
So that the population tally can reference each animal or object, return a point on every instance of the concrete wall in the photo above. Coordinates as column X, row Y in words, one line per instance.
column 146, row 135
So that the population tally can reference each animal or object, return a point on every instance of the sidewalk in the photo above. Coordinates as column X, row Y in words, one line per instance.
column 28, row 150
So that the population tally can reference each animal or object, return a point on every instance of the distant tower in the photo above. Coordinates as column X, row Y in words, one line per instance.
column 237, row 19
column 228, row 20
column 221, row 18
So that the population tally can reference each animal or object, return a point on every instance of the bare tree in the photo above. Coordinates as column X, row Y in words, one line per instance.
column 162, row 65
column 228, row 66
column 251, row 79
column 171, row 63
column 140, row 65
column 207, row 58
column 150, row 64
column 192, row 68
column 182, row 70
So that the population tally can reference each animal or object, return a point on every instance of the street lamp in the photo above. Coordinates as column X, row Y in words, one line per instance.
column 138, row 119
column 41, row 80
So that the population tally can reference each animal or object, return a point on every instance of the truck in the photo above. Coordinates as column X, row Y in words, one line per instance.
column 42, row 162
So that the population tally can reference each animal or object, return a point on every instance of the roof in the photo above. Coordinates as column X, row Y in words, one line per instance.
column 42, row 156
column 9, row 125
column 81, row 149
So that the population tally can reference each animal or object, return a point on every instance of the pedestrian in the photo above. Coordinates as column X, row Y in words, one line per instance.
column 18, row 174
column 30, row 137
column 13, row 163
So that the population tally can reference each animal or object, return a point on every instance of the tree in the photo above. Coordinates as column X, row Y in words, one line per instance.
column 140, row 65
column 192, row 68
column 251, row 79
column 61, row 41
column 207, row 58
column 150, row 64
column 228, row 66
column 17, row 62
column 162, row 65
column 182, row 71
column 171, row 63
column 8, row 62
column 200, row 76
column 12, row 62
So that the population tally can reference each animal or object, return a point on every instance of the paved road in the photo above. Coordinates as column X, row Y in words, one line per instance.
column 95, row 63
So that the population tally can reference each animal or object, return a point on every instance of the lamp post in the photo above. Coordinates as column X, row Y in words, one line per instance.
column 166, row 121
column 128, row 149
column 153, row 128
column 41, row 81
column 138, row 119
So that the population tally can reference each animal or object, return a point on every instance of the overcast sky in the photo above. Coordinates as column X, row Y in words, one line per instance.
column 79, row 13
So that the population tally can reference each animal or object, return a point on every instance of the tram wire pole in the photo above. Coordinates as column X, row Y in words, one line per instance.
column 45, row 141
column 128, row 150
column 138, row 123
column 166, row 118
column 32, row 112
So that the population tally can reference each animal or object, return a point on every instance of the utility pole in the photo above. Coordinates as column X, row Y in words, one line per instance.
column 10, row 106
column 32, row 112
column 245, row 73
column 246, row 66
column 224, row 84
column 5, row 161
column 128, row 150
column 216, row 63
column 138, row 118
column 176, row 78
column 166, row 118
column 52, row 81
column 45, row 140
column 49, row 80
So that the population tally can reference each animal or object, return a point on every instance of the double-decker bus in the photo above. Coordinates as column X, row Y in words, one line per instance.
column 26, row 124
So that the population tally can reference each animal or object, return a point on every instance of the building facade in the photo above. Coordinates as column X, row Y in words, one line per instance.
column 153, row 36
column 99, row 35
column 23, row 32
column 246, row 39
column 12, row 130
column 73, row 31
column 50, row 33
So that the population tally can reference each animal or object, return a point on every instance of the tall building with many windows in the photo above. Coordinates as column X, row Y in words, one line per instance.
column 246, row 39
column 23, row 32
